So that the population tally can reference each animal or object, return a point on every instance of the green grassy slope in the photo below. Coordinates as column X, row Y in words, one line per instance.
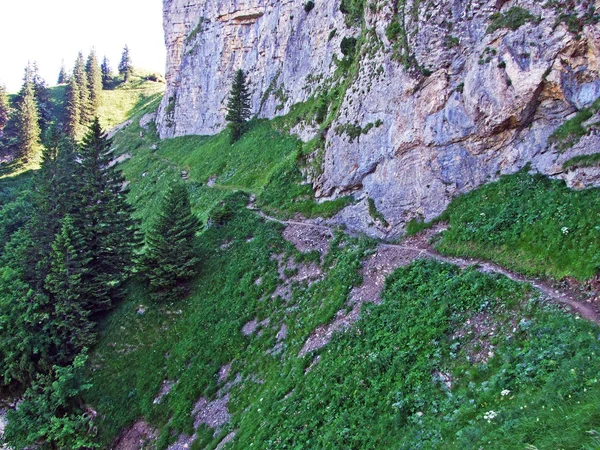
column 450, row 359
column 385, row 384
column 190, row 340
column 528, row 223
column 265, row 162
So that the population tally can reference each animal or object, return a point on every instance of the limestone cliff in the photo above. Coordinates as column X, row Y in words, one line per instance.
column 442, row 97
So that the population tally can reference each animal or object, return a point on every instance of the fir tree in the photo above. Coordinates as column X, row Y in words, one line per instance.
column 105, row 219
column 170, row 258
column 80, row 76
column 94, row 79
column 53, row 198
column 126, row 66
column 64, row 283
column 106, row 73
column 238, row 106
column 4, row 109
column 42, row 97
column 27, row 124
column 71, row 124
column 63, row 77
column 52, row 412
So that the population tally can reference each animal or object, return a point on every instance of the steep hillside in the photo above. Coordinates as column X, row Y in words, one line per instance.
column 271, row 349
column 418, row 101
column 401, row 252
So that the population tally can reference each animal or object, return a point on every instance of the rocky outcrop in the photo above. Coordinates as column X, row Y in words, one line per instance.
column 285, row 50
column 438, row 108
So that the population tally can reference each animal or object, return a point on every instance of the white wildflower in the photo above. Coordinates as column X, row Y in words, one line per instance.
column 505, row 392
column 564, row 230
column 490, row 415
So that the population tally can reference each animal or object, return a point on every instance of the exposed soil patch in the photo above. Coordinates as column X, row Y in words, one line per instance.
column 214, row 414
column 166, row 387
column 226, row 440
column 308, row 239
column 250, row 327
column 291, row 272
column 389, row 257
column 224, row 372
column 476, row 332
column 139, row 437
column 376, row 269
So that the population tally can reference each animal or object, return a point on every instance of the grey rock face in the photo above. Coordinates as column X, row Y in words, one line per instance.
column 286, row 51
column 470, row 105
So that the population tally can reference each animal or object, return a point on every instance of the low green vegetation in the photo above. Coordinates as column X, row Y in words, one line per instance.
column 119, row 104
column 354, row 11
column 571, row 132
column 528, row 223
column 265, row 162
column 582, row 161
column 144, row 343
column 452, row 359
column 376, row 214
column 512, row 19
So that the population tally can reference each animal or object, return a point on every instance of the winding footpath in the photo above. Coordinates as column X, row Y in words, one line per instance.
column 418, row 247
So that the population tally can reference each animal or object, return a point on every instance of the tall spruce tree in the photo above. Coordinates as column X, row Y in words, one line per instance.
column 106, row 73
column 126, row 66
column 53, row 197
column 28, row 131
column 94, row 79
column 80, row 75
column 238, row 106
column 105, row 219
column 64, row 283
column 63, row 77
column 42, row 97
column 71, row 123
column 170, row 257
column 4, row 109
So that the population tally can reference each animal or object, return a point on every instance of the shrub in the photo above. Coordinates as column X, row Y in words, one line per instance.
column 393, row 30
column 513, row 19
column 309, row 5
column 348, row 46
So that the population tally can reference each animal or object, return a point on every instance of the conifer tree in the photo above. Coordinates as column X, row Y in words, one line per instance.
column 126, row 66
column 106, row 73
column 64, row 283
column 53, row 198
column 105, row 219
column 94, row 79
column 238, row 106
column 71, row 124
column 80, row 76
column 63, row 78
column 42, row 97
column 4, row 109
column 170, row 257
column 27, row 125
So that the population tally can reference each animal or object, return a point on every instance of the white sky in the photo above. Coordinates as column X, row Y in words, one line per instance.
column 48, row 31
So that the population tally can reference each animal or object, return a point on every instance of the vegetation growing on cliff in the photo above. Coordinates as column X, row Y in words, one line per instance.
column 528, row 223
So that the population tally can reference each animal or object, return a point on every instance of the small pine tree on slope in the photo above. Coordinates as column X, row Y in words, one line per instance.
column 94, row 79
column 4, row 109
column 170, row 256
column 238, row 106
column 63, row 77
column 80, row 75
column 28, row 128
column 126, row 66
column 106, row 73
column 71, row 124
